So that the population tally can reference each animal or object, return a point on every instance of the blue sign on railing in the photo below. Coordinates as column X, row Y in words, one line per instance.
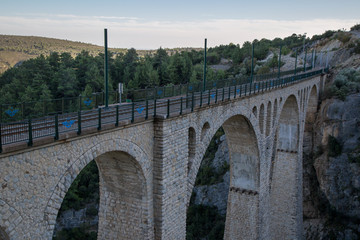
column 68, row 123
column 87, row 102
column 11, row 112
column 140, row 110
column 212, row 95
column 159, row 92
column 190, row 88
column 238, row 91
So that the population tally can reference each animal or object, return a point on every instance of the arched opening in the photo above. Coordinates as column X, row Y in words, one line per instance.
column 268, row 119
column 78, row 214
column 191, row 147
column 123, row 204
column 254, row 111
column 204, row 130
column 312, row 201
column 261, row 118
column 286, row 215
column 3, row 235
column 241, row 194
column 207, row 209
column 311, row 110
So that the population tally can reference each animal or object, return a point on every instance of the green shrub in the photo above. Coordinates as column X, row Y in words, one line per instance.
column 204, row 222
column 344, row 37
column 334, row 147
column 355, row 27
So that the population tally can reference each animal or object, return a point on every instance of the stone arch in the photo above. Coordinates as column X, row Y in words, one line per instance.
column 111, row 156
column 9, row 219
column 204, row 130
column 310, row 115
column 191, row 147
column 254, row 110
column 239, row 123
column 286, row 217
column 268, row 119
column 261, row 118
column 275, row 111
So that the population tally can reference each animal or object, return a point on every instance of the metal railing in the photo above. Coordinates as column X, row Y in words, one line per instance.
column 32, row 128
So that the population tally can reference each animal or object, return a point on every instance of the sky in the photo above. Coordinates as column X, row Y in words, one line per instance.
column 152, row 24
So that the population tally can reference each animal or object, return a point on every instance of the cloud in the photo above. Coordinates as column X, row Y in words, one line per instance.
column 126, row 32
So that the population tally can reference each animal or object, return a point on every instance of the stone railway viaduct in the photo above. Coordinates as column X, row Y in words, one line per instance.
column 148, row 169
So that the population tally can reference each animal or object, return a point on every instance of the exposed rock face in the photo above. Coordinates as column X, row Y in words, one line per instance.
column 76, row 218
column 332, row 181
column 216, row 194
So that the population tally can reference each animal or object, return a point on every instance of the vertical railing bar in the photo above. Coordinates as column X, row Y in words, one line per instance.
column 117, row 115
column 99, row 119
column 132, row 111
column 79, row 123
column 30, row 142
column 181, row 105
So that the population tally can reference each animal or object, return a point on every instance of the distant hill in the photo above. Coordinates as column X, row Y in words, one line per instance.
column 15, row 49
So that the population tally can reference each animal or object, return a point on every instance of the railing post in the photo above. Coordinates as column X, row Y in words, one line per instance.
column 229, row 92
column 250, row 89
column 168, row 109
column 192, row 102
column 0, row 140
column 155, row 107
column 235, row 91
column 245, row 88
column 181, row 107
column 240, row 90
column 99, row 119
column 117, row 115
column 30, row 142
column 132, row 112
column 209, row 98
column 56, row 137
column 147, row 110
column 79, row 123
column 201, row 96
column 216, row 95
column 223, row 93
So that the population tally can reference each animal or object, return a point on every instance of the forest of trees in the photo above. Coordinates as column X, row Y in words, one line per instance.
column 60, row 75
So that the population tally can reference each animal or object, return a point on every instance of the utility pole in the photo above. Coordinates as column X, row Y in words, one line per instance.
column 204, row 82
column 106, row 71
column 252, row 64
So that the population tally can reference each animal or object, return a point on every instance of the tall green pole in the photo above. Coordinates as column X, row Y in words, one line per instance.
column 204, row 82
column 305, row 60
column 106, row 71
column 295, row 61
column 279, row 62
column 252, row 64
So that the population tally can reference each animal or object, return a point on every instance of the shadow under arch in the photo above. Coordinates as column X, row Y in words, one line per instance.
column 286, row 175
column 126, row 205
